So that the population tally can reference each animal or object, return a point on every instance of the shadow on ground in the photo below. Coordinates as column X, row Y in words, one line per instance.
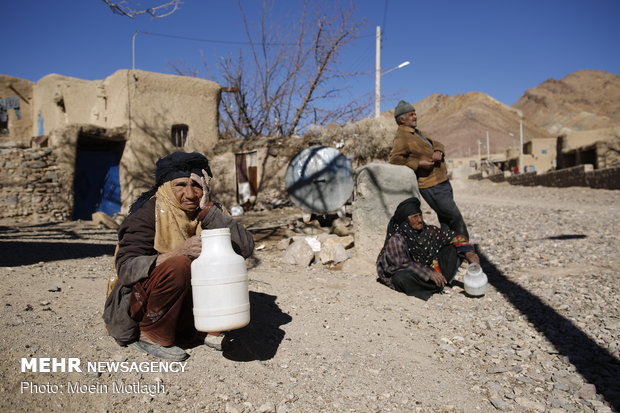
column 595, row 363
column 567, row 236
column 16, row 253
column 261, row 338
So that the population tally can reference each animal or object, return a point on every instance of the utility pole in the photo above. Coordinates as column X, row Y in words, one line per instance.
column 378, row 73
column 479, row 156
column 488, row 148
column 133, row 49
column 521, row 146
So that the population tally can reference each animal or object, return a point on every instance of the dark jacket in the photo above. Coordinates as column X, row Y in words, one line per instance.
column 136, row 258
column 409, row 147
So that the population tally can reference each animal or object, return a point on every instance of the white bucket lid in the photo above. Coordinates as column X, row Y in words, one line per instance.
column 214, row 232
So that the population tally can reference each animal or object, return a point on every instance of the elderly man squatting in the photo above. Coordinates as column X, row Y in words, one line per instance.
column 150, row 307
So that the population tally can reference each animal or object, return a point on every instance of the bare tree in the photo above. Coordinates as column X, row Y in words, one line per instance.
column 283, row 80
column 131, row 8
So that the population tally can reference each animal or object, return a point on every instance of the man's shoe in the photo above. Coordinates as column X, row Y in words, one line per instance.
column 173, row 353
column 214, row 341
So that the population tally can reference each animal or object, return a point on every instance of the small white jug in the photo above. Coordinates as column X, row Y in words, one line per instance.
column 475, row 280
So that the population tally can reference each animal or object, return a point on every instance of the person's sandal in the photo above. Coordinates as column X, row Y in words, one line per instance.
column 167, row 353
column 214, row 342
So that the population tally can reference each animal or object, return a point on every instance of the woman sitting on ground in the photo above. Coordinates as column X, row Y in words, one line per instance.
column 419, row 259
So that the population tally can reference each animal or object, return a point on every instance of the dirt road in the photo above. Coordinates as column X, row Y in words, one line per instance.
column 545, row 337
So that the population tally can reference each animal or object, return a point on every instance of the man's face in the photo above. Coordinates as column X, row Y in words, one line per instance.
column 188, row 192
column 409, row 119
column 416, row 221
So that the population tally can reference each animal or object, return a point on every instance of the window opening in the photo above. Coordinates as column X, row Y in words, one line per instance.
column 7, row 104
column 178, row 134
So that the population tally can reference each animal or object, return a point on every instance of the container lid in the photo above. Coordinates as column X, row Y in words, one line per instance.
column 213, row 232
column 474, row 269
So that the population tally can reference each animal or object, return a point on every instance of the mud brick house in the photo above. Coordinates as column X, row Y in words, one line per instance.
column 100, row 138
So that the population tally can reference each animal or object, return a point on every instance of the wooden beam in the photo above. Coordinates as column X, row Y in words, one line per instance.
column 19, row 94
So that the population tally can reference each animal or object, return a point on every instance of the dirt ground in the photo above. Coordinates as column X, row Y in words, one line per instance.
column 545, row 337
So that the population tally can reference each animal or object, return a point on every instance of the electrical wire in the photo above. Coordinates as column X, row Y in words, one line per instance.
column 385, row 8
column 197, row 39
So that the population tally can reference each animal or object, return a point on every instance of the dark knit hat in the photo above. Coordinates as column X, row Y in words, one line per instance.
column 180, row 165
column 173, row 166
column 403, row 107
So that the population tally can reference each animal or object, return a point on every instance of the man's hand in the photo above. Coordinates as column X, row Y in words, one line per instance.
column 437, row 156
column 206, row 188
column 438, row 279
column 426, row 164
column 472, row 257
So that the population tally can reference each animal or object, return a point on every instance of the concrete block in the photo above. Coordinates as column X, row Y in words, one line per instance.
column 378, row 191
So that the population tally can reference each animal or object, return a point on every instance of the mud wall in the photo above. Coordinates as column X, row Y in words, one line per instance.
column 273, row 157
column 18, row 131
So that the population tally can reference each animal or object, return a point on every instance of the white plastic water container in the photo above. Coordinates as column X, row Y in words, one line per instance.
column 475, row 281
column 219, row 284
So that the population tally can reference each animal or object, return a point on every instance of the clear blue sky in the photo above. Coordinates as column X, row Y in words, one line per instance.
column 498, row 47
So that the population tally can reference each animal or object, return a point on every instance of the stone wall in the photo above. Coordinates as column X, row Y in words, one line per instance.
column 32, row 186
column 582, row 175
column 608, row 178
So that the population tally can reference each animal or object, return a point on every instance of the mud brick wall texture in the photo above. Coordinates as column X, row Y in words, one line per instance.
column 33, row 187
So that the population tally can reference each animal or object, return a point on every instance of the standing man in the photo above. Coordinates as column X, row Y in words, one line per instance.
column 427, row 159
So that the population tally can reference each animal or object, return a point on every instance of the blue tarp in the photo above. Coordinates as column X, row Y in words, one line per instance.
column 96, row 185
column 111, row 192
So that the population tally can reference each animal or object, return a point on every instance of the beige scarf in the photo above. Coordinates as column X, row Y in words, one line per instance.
column 172, row 225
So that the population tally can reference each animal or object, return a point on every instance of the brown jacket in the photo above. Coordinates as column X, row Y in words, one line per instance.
column 409, row 147
column 136, row 257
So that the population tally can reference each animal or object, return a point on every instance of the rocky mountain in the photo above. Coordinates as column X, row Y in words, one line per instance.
column 460, row 121
column 584, row 100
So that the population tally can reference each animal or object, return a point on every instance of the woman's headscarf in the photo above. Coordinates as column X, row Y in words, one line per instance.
column 409, row 206
column 172, row 225
column 175, row 165
column 422, row 245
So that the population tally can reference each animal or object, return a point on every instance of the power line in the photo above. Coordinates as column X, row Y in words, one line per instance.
column 385, row 8
column 197, row 39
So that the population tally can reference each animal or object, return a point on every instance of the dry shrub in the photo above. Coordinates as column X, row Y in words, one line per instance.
column 362, row 141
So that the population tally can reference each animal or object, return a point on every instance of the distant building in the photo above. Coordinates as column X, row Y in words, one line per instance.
column 539, row 155
column 599, row 148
